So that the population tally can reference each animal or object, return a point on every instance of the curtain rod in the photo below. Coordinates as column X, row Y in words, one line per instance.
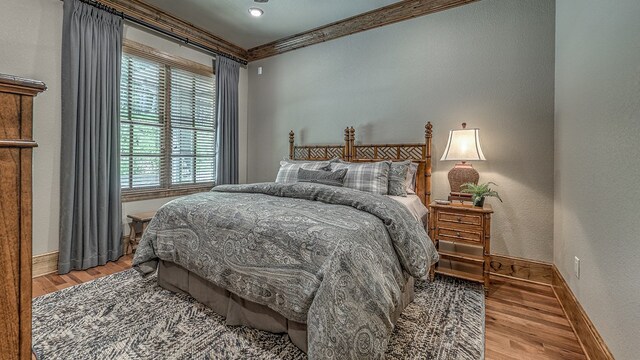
column 160, row 30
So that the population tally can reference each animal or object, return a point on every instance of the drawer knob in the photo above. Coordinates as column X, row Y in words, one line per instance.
column 459, row 219
column 458, row 234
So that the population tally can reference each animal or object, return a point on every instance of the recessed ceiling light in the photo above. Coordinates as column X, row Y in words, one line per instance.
column 255, row 12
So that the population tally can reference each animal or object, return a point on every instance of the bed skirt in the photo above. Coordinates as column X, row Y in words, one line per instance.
column 238, row 311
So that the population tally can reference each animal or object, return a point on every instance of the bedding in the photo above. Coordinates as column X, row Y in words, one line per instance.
column 241, row 312
column 415, row 207
column 371, row 177
column 333, row 258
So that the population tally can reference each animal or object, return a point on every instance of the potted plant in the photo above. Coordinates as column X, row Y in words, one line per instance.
column 479, row 192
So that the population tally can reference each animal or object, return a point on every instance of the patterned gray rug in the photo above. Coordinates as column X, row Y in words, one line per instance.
column 123, row 316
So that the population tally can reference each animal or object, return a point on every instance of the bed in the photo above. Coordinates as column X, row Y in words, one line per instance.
column 331, row 267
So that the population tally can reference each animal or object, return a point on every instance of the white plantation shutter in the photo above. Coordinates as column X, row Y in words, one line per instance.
column 142, row 122
column 167, row 136
column 193, row 125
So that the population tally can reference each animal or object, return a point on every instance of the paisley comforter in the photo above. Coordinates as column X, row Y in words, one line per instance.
column 333, row 258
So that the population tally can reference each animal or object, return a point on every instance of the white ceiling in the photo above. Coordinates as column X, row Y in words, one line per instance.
column 230, row 19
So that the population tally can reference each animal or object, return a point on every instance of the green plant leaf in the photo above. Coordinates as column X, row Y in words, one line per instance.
column 480, row 190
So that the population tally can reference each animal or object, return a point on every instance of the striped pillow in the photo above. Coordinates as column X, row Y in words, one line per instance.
column 371, row 177
column 288, row 172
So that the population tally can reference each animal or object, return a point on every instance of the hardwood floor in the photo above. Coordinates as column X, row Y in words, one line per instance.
column 53, row 282
column 523, row 320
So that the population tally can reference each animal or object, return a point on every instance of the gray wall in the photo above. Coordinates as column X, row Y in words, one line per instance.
column 30, row 39
column 597, row 161
column 490, row 64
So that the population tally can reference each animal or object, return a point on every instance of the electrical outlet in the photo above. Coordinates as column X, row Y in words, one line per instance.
column 576, row 266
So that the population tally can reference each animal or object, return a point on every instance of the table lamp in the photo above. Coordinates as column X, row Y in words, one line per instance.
column 463, row 145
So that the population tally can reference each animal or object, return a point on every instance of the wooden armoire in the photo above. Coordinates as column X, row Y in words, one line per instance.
column 16, row 144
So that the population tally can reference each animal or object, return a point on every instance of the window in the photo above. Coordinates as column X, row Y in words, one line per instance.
column 167, row 128
column 192, row 129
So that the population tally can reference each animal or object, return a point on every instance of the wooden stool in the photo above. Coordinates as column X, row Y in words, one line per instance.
column 140, row 220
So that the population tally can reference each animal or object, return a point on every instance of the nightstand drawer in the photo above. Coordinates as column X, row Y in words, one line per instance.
column 451, row 234
column 458, row 218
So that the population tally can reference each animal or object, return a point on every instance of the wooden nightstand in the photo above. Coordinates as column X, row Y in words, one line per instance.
column 462, row 235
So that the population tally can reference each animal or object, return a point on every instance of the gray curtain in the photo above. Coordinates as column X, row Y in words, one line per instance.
column 90, row 209
column 227, row 76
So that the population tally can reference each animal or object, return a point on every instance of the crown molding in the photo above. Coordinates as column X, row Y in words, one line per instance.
column 167, row 22
column 390, row 14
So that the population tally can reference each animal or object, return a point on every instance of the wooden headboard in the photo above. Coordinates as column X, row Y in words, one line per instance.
column 419, row 153
column 319, row 152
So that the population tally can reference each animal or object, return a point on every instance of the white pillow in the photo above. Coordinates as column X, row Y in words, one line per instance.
column 410, row 181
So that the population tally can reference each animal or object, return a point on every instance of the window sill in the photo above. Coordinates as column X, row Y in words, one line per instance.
column 130, row 196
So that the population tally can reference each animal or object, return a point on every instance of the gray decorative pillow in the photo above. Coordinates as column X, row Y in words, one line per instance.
column 333, row 178
column 410, row 182
column 288, row 172
column 371, row 177
column 398, row 177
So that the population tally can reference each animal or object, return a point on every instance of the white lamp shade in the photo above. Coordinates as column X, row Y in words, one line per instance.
column 463, row 145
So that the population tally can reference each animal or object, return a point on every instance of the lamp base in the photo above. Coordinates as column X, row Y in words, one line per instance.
column 461, row 173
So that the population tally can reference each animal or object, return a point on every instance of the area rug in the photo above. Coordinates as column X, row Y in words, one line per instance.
column 124, row 316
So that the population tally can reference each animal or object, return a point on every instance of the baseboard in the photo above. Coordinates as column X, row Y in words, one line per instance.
column 521, row 269
column 592, row 343
column 547, row 274
column 44, row 264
